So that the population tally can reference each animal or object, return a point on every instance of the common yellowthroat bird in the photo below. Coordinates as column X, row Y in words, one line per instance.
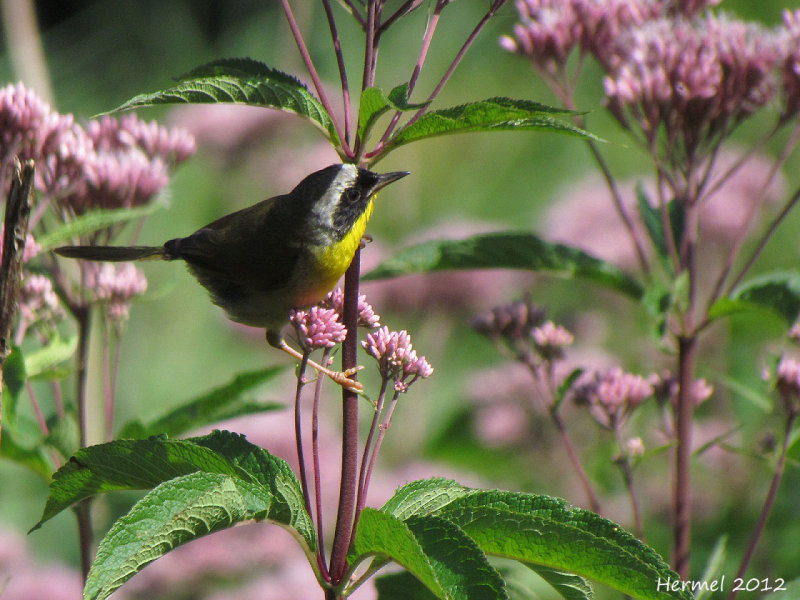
column 282, row 253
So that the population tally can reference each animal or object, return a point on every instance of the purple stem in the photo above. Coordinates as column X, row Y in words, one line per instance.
column 361, row 499
column 298, row 432
column 317, row 479
column 412, row 82
column 337, row 47
column 770, row 500
column 495, row 6
column 312, row 71
column 682, row 508
column 348, row 482
column 382, row 432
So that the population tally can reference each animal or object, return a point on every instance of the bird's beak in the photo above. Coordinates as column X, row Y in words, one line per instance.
column 386, row 178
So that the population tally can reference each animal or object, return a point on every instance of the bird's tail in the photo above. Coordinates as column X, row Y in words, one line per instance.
column 112, row 253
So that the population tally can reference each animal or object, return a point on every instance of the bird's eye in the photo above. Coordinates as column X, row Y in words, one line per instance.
column 352, row 194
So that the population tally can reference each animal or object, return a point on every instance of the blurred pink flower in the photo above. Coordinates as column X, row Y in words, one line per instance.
column 584, row 216
column 114, row 285
column 22, row 579
column 611, row 395
column 690, row 80
column 550, row 340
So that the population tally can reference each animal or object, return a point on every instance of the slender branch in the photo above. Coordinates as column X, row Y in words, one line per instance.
column 353, row 10
column 312, row 71
column 682, row 510
column 430, row 29
column 384, row 427
column 406, row 8
column 321, row 562
column 626, row 469
column 298, row 431
column 572, row 454
column 619, row 205
column 765, row 238
column 768, row 502
column 368, row 78
column 361, row 499
column 337, row 48
column 347, row 487
column 493, row 8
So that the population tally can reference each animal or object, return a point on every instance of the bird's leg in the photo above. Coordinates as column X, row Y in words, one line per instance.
column 340, row 377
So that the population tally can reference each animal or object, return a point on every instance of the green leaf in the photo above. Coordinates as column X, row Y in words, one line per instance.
column 654, row 224
column 175, row 512
column 434, row 550
column 94, row 221
column 507, row 250
column 402, row 586
column 14, row 378
column 566, row 386
column 778, row 293
column 423, row 497
column 224, row 402
column 64, row 434
column 790, row 591
column 546, row 531
column 374, row 104
column 754, row 396
column 543, row 532
column 570, row 587
column 44, row 359
column 35, row 459
column 241, row 81
column 127, row 465
column 493, row 114
column 288, row 506
column 714, row 567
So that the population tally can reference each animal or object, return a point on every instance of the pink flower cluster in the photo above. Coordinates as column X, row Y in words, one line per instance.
column 396, row 357
column 611, row 395
column 115, row 286
column 788, row 383
column 550, row 340
column 367, row 317
column 696, row 78
column 38, row 302
column 670, row 67
column 317, row 327
column 111, row 163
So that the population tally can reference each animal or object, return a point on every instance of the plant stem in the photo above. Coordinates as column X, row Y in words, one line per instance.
column 337, row 48
column 594, row 503
column 298, row 430
column 317, row 477
column 430, row 29
column 768, row 502
column 349, row 473
column 682, row 510
column 312, row 71
column 765, row 238
column 83, row 316
column 361, row 500
column 493, row 8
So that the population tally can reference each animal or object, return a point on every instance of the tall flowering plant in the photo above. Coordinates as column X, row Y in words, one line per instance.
column 680, row 79
column 440, row 532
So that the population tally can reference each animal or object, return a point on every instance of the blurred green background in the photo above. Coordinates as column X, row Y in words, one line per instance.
column 177, row 345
